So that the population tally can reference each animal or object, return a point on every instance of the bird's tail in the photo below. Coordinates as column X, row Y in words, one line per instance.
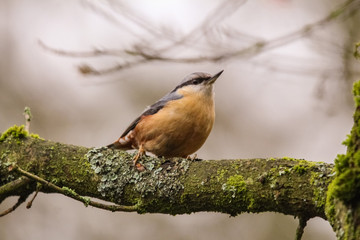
column 117, row 145
column 114, row 145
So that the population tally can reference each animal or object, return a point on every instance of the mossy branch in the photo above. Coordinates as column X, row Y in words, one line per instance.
column 172, row 186
column 343, row 197
column 300, row 229
column 71, row 193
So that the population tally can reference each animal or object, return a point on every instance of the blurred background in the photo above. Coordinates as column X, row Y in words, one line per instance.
column 88, row 68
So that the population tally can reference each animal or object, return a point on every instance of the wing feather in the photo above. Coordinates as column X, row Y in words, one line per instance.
column 150, row 110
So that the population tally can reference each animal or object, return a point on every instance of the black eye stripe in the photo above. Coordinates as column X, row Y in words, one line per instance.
column 195, row 81
column 198, row 80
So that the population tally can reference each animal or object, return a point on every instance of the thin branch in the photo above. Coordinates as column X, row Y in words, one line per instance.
column 290, row 37
column 300, row 228
column 116, row 12
column 20, row 200
column 14, row 185
column 87, row 69
column 29, row 204
column 349, row 7
column 85, row 54
column 28, row 116
column 72, row 194
column 224, row 10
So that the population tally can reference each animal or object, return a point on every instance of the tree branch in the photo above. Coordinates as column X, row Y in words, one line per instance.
column 301, row 227
column 343, row 196
column 20, row 200
column 71, row 193
column 172, row 186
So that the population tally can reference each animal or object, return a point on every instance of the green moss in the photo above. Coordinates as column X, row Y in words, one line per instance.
column 36, row 136
column 332, row 210
column 221, row 174
column 86, row 201
column 69, row 191
column 329, row 205
column 5, row 176
column 343, row 192
column 357, row 50
column 206, row 183
column 236, row 194
column 356, row 89
column 320, row 187
column 303, row 166
column 300, row 169
column 17, row 132
column 346, row 187
column 341, row 163
column 289, row 159
column 347, row 141
column 235, row 185
column 61, row 168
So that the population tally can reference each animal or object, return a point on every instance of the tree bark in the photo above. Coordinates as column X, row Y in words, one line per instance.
column 343, row 196
column 172, row 186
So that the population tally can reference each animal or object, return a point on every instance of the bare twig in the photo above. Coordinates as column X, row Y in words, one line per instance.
column 306, row 30
column 20, row 200
column 87, row 69
column 143, row 53
column 85, row 54
column 72, row 194
column 29, row 204
column 224, row 10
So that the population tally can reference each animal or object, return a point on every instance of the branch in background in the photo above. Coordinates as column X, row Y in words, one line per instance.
column 115, row 11
column 141, row 54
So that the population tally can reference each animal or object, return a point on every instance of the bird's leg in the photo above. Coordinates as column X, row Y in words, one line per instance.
column 141, row 152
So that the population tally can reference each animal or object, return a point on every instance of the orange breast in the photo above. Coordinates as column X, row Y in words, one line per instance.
column 179, row 129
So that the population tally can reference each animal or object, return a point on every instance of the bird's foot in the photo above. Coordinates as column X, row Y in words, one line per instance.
column 140, row 167
column 137, row 165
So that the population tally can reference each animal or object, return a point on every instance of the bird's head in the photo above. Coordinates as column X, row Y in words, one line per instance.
column 198, row 82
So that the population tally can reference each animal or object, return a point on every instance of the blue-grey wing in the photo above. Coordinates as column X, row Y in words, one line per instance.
column 150, row 110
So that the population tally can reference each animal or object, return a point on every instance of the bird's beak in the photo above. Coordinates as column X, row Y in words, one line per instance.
column 213, row 78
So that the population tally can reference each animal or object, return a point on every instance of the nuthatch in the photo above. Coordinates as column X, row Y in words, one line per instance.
column 176, row 125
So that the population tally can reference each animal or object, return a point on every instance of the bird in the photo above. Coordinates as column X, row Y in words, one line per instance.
column 178, row 124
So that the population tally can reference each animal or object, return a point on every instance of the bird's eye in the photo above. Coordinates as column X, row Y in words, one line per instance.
column 196, row 81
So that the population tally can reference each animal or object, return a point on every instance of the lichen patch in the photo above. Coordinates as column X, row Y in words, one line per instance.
column 116, row 173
